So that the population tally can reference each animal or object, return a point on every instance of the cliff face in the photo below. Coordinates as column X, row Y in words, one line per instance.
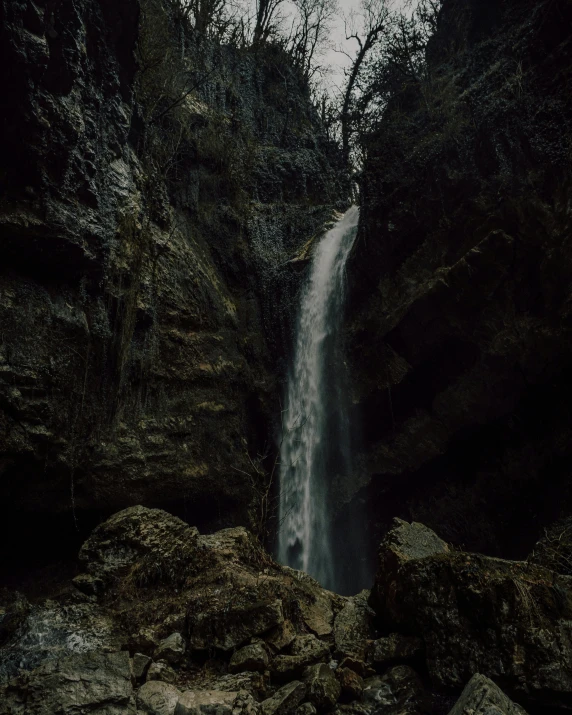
column 153, row 188
column 460, row 322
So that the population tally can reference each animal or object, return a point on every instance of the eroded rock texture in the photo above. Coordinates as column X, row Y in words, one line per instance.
column 460, row 317
column 153, row 188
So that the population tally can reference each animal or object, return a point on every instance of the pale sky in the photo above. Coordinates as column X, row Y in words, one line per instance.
column 337, row 60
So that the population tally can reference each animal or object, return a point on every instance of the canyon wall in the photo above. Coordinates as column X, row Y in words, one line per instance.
column 154, row 187
column 460, row 322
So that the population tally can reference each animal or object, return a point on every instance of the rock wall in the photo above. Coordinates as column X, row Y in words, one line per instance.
column 154, row 186
column 460, row 316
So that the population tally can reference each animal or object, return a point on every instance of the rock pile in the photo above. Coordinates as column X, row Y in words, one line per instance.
column 210, row 625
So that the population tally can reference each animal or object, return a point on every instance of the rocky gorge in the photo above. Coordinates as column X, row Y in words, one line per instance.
column 161, row 196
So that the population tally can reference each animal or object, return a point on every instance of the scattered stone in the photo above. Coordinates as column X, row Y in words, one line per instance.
column 172, row 649
column 139, row 664
column 322, row 686
column 397, row 648
column 251, row 657
column 482, row 696
column 230, row 628
column 398, row 692
column 161, row 671
column 281, row 636
column 284, row 700
column 157, row 698
column 353, row 627
column 205, row 702
column 352, row 684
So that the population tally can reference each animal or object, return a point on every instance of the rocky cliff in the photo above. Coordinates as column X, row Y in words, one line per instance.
column 460, row 324
column 154, row 186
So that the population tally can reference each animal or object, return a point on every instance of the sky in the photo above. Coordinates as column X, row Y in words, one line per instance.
column 337, row 60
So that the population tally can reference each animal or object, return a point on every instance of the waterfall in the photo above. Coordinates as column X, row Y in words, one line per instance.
column 315, row 432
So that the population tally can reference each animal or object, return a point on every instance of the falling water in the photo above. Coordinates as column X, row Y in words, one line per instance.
column 315, row 435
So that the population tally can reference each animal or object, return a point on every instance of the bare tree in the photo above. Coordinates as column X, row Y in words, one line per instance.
column 309, row 33
column 268, row 19
column 373, row 19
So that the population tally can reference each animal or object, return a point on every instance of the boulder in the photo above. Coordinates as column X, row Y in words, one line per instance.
column 150, row 538
column 157, row 698
column 482, row 697
column 161, row 671
column 505, row 619
column 281, row 636
column 31, row 634
column 98, row 683
column 251, row 658
column 403, row 543
column 322, row 687
column 170, row 649
column 205, row 702
column 351, row 683
column 353, row 627
column 284, row 700
column 397, row 648
column 139, row 665
column 218, row 590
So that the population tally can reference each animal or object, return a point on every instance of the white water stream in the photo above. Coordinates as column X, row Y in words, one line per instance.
column 315, row 440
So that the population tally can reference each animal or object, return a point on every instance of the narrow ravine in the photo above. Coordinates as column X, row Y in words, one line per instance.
column 315, row 442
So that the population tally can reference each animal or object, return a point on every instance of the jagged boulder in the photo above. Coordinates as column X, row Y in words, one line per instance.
column 353, row 627
column 284, row 700
column 482, row 697
column 164, row 577
column 251, row 657
column 140, row 665
column 322, row 688
column 170, row 649
column 150, row 539
column 98, row 683
column 478, row 614
column 351, row 683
